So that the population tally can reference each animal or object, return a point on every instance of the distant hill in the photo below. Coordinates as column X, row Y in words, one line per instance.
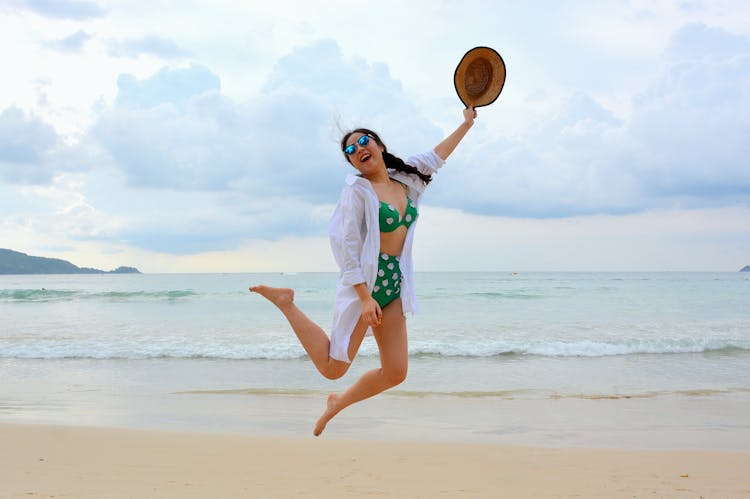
column 14, row 262
column 746, row 268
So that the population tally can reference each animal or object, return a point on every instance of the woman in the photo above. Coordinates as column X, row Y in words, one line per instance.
column 371, row 233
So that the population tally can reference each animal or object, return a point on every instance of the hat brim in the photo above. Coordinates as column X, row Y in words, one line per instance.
column 479, row 77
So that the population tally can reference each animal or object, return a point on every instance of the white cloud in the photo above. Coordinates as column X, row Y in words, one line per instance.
column 684, row 144
column 148, row 45
column 57, row 9
column 714, row 239
column 70, row 43
column 199, row 171
column 175, row 130
column 170, row 85
column 70, row 215
column 31, row 151
column 692, row 122
column 23, row 139
column 26, row 145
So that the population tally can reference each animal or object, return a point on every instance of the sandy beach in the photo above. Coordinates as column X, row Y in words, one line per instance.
column 81, row 462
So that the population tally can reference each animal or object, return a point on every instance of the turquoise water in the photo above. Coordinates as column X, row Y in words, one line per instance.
column 93, row 346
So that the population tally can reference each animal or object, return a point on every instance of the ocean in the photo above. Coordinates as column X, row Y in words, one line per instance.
column 545, row 357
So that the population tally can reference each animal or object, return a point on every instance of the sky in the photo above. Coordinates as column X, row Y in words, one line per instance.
column 201, row 136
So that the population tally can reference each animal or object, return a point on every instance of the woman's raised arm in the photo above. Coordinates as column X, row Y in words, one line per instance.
column 448, row 145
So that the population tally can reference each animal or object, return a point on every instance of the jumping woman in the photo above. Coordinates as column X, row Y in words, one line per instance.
column 371, row 233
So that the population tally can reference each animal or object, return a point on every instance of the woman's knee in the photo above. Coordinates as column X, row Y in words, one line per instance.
column 334, row 369
column 396, row 374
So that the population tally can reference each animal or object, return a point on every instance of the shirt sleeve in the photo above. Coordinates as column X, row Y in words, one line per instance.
column 427, row 163
column 346, row 233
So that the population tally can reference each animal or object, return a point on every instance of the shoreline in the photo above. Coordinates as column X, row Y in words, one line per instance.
column 73, row 461
column 710, row 423
column 239, row 398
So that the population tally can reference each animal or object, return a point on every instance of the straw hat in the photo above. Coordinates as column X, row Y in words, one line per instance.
column 479, row 77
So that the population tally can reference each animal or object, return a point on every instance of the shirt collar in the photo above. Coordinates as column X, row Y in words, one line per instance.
column 352, row 179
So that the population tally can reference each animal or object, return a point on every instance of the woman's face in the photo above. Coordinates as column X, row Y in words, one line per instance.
column 365, row 158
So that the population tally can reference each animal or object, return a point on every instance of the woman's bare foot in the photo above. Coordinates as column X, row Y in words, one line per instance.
column 331, row 410
column 277, row 296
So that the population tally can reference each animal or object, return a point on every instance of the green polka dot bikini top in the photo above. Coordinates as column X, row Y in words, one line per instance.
column 390, row 218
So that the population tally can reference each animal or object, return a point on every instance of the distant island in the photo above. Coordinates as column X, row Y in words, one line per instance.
column 746, row 268
column 15, row 262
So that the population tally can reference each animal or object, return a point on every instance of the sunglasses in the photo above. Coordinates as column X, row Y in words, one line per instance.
column 362, row 141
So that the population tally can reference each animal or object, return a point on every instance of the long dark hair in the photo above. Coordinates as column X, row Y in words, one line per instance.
column 391, row 162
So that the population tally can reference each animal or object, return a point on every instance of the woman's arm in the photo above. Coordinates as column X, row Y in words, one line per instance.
column 371, row 311
column 446, row 147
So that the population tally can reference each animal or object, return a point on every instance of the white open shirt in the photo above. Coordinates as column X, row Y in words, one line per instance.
column 354, row 233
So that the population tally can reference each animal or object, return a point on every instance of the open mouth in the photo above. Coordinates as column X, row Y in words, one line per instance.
column 365, row 157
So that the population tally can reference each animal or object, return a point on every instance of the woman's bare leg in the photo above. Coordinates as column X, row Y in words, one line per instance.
column 394, row 361
column 314, row 340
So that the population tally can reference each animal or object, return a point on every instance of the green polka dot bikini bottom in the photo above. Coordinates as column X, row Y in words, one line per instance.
column 388, row 283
